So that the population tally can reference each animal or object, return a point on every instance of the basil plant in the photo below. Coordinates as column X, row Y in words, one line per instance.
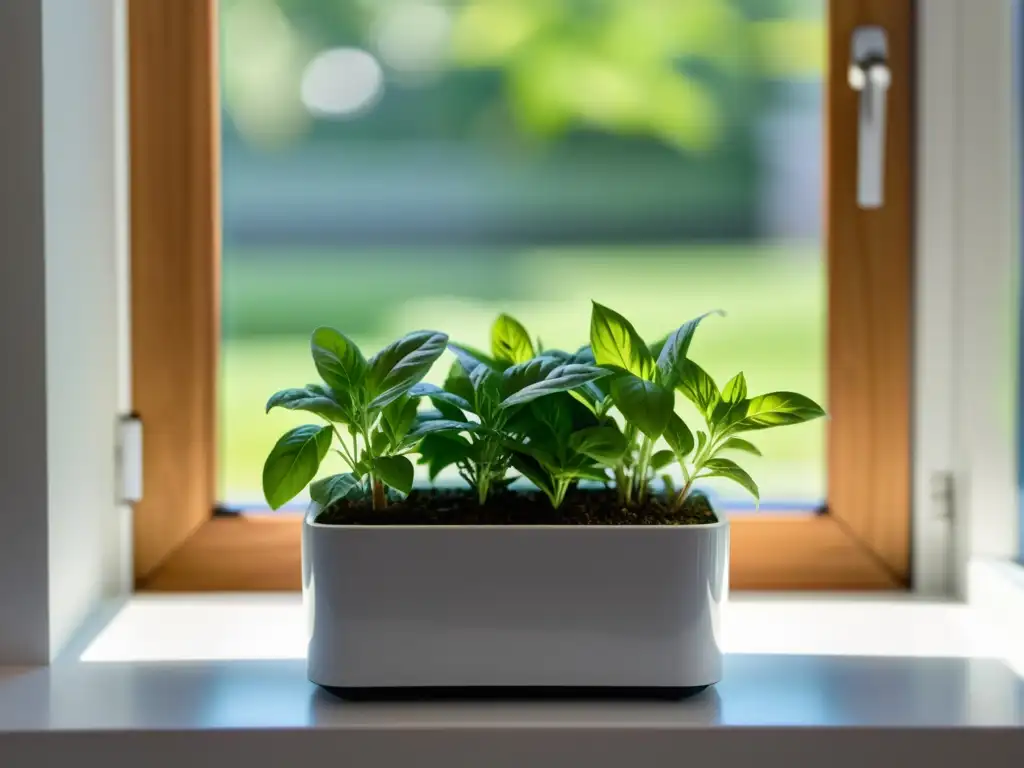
column 643, row 388
column 605, row 413
column 370, row 419
column 505, row 395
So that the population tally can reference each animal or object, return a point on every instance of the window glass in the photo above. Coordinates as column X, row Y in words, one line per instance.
column 390, row 165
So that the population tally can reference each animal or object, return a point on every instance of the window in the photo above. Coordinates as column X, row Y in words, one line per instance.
column 379, row 160
column 423, row 168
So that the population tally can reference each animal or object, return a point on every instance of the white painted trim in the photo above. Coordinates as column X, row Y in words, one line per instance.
column 122, row 257
column 985, row 279
column 966, row 290
column 934, row 318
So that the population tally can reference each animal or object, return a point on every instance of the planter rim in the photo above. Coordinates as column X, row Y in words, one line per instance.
column 314, row 509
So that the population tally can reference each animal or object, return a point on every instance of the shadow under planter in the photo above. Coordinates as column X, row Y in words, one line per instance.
column 516, row 693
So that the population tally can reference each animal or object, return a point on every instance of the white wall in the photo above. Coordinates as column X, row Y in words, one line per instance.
column 986, row 280
column 62, row 257
column 81, row 112
column 24, row 624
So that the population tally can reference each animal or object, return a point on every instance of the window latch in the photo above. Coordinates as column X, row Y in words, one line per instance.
column 129, row 459
column 869, row 75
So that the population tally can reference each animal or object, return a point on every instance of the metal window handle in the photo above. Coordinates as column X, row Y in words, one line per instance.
column 869, row 74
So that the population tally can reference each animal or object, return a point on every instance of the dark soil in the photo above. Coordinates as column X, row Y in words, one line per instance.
column 460, row 507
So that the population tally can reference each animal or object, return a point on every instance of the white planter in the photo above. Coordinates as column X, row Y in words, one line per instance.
column 514, row 606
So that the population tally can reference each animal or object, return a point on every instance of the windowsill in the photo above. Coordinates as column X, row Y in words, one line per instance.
column 263, row 627
column 225, row 665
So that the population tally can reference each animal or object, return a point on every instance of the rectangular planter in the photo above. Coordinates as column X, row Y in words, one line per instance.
column 609, row 607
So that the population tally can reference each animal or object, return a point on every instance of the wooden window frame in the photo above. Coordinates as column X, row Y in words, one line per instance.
column 860, row 542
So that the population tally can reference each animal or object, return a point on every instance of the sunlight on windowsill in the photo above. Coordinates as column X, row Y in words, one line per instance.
column 153, row 628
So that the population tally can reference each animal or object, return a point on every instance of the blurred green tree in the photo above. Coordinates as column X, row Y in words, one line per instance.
column 672, row 70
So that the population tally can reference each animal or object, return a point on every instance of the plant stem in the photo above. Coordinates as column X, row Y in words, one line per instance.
column 629, row 470
column 690, row 477
column 640, row 478
column 344, row 449
column 380, row 499
column 621, row 483
column 561, row 488
column 713, row 444
column 680, row 499
column 483, row 487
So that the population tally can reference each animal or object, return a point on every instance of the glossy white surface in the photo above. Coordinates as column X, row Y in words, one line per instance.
column 895, row 677
column 241, row 627
column 425, row 606
column 756, row 690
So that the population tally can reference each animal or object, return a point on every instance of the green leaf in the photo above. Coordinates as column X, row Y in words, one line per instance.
column 675, row 348
column 539, row 449
column 449, row 411
column 545, row 376
column 379, row 442
column 438, row 396
column 697, row 386
column 591, row 393
column 720, row 467
column 678, row 436
column 333, row 489
column 294, row 461
column 516, row 377
column 554, row 415
column 509, row 340
column 644, row 404
column 343, row 399
column 587, row 395
column 775, row 409
column 662, row 459
column 442, row 449
column 615, row 343
column 399, row 416
column 458, row 384
column 735, row 390
column 307, row 400
column 739, row 444
column 583, row 472
column 656, row 347
column 519, row 421
column 362, row 467
column 606, row 444
column 429, row 426
column 338, row 360
column 486, row 389
column 531, row 469
column 395, row 471
column 320, row 389
column 702, row 440
column 733, row 405
column 400, row 365
column 585, row 355
column 449, row 405
column 470, row 359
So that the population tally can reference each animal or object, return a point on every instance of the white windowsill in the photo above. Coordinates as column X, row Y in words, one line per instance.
column 228, row 669
column 253, row 627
